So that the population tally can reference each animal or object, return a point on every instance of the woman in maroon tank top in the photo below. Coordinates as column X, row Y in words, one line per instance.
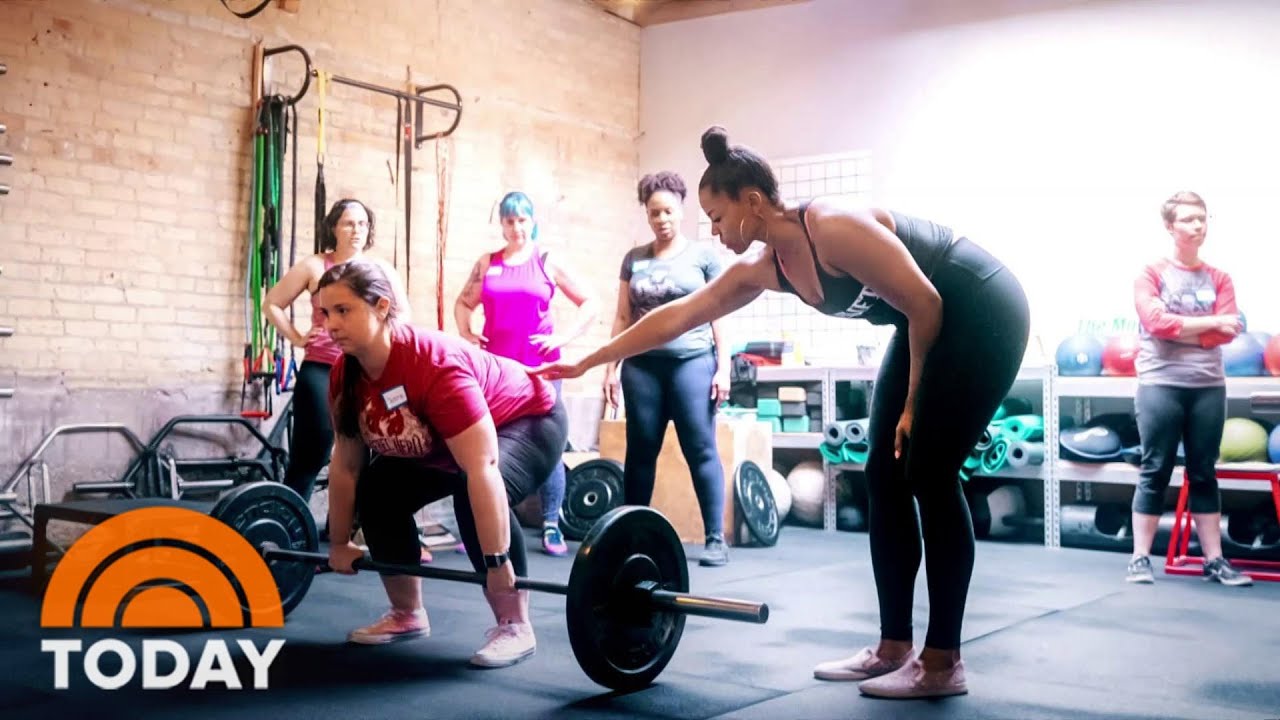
column 349, row 232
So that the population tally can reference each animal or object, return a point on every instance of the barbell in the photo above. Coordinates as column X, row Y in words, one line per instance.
column 626, row 600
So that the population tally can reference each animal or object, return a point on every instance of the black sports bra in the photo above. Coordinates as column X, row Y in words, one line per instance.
column 844, row 296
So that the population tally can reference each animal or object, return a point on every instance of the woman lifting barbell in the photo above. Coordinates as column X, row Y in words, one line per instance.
column 942, row 378
column 441, row 417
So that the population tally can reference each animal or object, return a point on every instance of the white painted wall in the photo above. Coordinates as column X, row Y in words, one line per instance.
column 1049, row 131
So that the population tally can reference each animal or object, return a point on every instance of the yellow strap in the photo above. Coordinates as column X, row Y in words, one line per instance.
column 322, row 86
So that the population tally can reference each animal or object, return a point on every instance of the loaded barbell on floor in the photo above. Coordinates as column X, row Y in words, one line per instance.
column 627, row 595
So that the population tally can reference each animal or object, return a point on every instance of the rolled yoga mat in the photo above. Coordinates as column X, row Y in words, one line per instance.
column 994, row 458
column 833, row 433
column 988, row 437
column 846, row 431
column 1023, row 453
column 854, row 453
column 1023, row 427
column 844, row 452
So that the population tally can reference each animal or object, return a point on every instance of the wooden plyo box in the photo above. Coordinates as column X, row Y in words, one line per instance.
column 673, row 493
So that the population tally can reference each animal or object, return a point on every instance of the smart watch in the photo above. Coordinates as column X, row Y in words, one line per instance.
column 495, row 561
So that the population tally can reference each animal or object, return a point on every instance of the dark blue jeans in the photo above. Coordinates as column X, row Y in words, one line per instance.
column 552, row 491
column 659, row 389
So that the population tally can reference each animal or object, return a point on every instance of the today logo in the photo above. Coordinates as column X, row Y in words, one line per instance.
column 161, row 568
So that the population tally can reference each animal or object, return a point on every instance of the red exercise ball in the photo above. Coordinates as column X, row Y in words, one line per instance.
column 1271, row 355
column 1118, row 354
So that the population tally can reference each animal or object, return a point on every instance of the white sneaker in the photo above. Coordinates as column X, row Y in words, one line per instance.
column 505, row 645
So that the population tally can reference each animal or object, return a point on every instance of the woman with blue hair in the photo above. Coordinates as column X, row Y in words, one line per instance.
column 515, row 287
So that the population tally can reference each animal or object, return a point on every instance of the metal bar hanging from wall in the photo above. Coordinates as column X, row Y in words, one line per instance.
column 419, row 98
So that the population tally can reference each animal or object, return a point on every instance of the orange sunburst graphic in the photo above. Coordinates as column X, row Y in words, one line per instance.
column 162, row 567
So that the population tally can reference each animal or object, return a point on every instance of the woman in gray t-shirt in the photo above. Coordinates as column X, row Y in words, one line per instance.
column 681, row 381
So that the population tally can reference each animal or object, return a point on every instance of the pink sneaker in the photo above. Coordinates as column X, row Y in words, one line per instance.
column 865, row 664
column 394, row 626
column 913, row 681
column 553, row 541
column 505, row 645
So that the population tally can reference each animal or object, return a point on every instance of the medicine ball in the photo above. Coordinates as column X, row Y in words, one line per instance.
column 1271, row 355
column 1243, row 440
column 1243, row 357
column 807, row 481
column 1118, row 354
column 1079, row 355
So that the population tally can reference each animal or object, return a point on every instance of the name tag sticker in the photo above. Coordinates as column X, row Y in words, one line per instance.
column 395, row 397
column 495, row 270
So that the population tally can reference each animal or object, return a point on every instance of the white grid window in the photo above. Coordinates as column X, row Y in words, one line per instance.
column 779, row 316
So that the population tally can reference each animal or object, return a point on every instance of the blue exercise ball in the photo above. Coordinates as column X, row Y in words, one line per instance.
column 1243, row 357
column 1080, row 355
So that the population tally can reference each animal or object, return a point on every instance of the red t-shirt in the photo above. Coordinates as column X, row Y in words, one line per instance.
column 435, row 386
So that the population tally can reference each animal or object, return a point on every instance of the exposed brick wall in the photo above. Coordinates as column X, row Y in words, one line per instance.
column 124, row 237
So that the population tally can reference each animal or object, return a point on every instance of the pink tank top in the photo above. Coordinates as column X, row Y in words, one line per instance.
column 517, row 304
column 320, row 348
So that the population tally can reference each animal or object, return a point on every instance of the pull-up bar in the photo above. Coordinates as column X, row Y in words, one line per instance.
column 418, row 97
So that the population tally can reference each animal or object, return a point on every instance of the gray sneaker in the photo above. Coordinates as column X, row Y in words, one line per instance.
column 1140, row 571
column 1220, row 570
column 715, row 553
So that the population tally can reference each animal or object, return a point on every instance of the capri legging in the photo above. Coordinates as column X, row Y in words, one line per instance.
column 1167, row 415
column 658, row 389
column 966, row 375
column 391, row 490
column 312, row 437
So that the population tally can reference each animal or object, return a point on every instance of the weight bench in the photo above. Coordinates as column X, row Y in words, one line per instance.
column 89, row 512
column 1178, row 562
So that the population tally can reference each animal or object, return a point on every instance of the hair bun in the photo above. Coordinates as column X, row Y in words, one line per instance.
column 715, row 145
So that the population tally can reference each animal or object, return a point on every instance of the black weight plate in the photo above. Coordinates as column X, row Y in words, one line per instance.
column 620, row 642
column 755, row 501
column 271, row 512
column 591, row 489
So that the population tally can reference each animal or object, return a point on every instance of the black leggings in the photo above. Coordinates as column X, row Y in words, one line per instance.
column 391, row 490
column 1169, row 414
column 658, row 389
column 966, row 375
column 312, row 428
